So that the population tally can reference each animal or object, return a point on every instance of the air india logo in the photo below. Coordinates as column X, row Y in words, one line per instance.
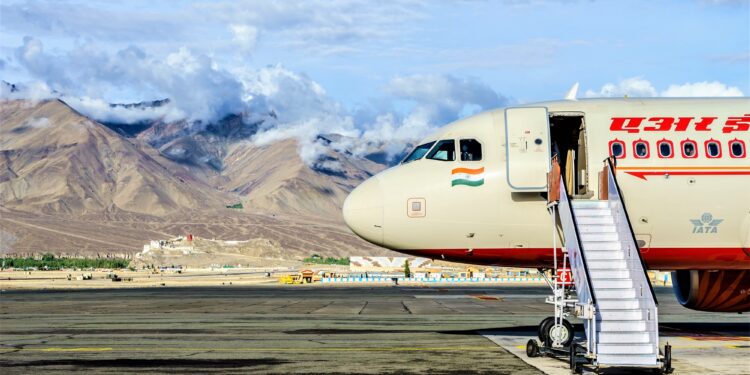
column 467, row 176
column 706, row 224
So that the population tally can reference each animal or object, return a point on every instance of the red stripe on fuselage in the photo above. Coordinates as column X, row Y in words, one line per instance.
column 664, row 258
column 642, row 175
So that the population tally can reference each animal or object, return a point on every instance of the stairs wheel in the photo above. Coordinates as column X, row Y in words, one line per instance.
column 532, row 349
column 544, row 328
column 562, row 334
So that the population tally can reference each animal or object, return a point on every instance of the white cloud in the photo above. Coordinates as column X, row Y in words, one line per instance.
column 105, row 112
column 34, row 91
column 640, row 87
column 635, row 87
column 320, row 26
column 197, row 87
column 38, row 122
column 304, row 111
column 245, row 36
column 288, row 104
column 701, row 89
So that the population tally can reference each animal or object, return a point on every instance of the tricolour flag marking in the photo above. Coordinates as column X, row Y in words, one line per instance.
column 467, row 176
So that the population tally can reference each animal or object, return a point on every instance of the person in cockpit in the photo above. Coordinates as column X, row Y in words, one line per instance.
column 465, row 154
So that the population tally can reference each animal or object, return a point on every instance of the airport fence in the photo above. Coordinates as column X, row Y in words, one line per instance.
column 447, row 280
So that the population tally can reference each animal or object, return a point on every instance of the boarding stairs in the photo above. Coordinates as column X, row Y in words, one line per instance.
column 614, row 296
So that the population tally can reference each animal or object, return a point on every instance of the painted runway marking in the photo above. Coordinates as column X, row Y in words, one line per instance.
column 369, row 349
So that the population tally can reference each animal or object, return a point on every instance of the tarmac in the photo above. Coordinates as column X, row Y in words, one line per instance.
column 319, row 329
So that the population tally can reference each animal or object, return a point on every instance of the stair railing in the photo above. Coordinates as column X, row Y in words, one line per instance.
column 578, row 266
column 633, row 256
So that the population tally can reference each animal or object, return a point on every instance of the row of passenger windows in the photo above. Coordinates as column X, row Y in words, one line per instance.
column 445, row 150
column 688, row 148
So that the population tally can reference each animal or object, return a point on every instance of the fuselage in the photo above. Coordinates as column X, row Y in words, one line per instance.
column 682, row 165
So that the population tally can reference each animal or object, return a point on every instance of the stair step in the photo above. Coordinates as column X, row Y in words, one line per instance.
column 612, row 283
column 623, row 337
column 589, row 204
column 609, row 274
column 602, row 255
column 596, row 228
column 600, row 237
column 585, row 220
column 646, row 348
column 622, row 326
column 636, row 315
column 580, row 212
column 601, row 245
column 615, row 293
column 618, row 304
column 605, row 264
column 627, row 359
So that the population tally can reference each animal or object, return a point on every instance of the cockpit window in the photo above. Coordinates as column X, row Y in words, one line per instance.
column 471, row 150
column 418, row 152
column 445, row 151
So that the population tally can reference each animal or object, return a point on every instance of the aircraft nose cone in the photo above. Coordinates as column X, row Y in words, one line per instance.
column 363, row 211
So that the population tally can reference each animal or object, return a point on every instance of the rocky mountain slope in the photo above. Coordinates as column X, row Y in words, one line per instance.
column 54, row 160
column 71, row 185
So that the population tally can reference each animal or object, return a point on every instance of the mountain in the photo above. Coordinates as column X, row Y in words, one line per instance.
column 272, row 178
column 72, row 186
column 288, row 184
column 55, row 160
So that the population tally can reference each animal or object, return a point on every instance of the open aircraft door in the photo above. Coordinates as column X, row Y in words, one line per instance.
column 527, row 148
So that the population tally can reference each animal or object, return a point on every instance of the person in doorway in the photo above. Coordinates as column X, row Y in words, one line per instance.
column 555, row 150
column 666, row 277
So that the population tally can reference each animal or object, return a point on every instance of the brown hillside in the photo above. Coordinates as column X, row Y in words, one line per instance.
column 273, row 178
column 55, row 160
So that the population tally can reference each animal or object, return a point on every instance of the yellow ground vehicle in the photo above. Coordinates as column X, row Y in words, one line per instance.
column 301, row 277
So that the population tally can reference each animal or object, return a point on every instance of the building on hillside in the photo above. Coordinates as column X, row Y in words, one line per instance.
column 388, row 264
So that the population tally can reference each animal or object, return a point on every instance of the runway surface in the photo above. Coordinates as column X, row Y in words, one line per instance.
column 315, row 329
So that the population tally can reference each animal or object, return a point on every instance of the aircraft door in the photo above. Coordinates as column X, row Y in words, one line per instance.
column 527, row 147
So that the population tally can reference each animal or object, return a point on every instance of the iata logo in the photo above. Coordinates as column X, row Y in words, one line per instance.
column 706, row 224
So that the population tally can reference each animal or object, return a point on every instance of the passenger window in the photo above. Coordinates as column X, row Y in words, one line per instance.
column 737, row 148
column 617, row 149
column 418, row 152
column 640, row 148
column 444, row 151
column 713, row 149
column 665, row 149
column 471, row 150
column 689, row 149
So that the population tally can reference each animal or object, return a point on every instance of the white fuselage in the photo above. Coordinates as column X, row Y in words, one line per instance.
column 688, row 211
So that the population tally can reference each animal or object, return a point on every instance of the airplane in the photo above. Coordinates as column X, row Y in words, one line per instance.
column 476, row 191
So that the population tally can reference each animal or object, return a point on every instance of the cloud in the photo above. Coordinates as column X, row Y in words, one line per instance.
column 34, row 91
column 701, row 89
column 80, row 20
column 441, row 98
column 304, row 111
column 198, row 89
column 287, row 104
column 38, row 122
column 434, row 101
column 245, row 36
column 320, row 27
column 640, row 87
column 635, row 87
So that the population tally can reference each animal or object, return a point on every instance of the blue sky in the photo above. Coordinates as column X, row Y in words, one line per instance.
column 404, row 65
